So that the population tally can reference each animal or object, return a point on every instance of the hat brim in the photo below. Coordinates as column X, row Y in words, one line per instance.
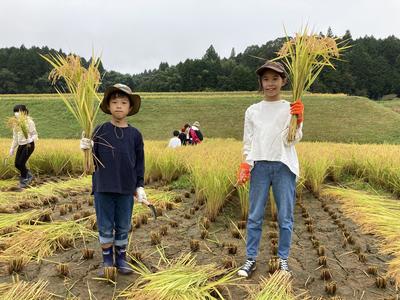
column 262, row 69
column 134, row 99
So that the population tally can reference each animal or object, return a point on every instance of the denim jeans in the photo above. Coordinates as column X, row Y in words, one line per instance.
column 114, row 214
column 283, row 181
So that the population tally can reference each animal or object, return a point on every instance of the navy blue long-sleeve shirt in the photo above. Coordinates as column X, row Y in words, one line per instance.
column 119, row 159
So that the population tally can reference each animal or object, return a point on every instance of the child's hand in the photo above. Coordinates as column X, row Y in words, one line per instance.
column 86, row 144
column 297, row 108
column 243, row 174
column 141, row 195
column 11, row 152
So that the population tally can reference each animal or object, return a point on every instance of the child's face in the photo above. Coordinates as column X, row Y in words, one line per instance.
column 119, row 107
column 272, row 83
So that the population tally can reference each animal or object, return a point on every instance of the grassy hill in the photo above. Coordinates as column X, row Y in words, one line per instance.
column 393, row 104
column 334, row 118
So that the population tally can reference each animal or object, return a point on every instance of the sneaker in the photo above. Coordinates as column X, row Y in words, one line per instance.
column 248, row 267
column 29, row 176
column 283, row 265
column 23, row 183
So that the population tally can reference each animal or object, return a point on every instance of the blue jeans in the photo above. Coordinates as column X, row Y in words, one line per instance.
column 283, row 181
column 114, row 214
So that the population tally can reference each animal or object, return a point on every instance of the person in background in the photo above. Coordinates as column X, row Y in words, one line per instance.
column 24, row 137
column 175, row 142
column 196, row 136
column 184, row 135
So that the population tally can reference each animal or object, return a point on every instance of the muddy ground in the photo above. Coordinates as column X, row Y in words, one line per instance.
column 347, row 261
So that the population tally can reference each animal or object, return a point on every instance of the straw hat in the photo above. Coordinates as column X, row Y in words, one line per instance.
column 197, row 124
column 119, row 87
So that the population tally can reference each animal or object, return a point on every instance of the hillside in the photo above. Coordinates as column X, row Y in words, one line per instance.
column 328, row 117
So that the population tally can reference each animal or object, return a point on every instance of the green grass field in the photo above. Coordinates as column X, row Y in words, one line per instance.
column 392, row 104
column 333, row 118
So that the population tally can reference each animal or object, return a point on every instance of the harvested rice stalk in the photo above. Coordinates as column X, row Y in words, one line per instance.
column 8, row 221
column 19, row 124
column 82, row 83
column 44, row 194
column 23, row 290
column 179, row 279
column 39, row 241
column 277, row 287
column 305, row 56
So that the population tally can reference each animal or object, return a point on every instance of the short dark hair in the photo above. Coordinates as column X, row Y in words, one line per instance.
column 20, row 107
column 119, row 94
column 175, row 133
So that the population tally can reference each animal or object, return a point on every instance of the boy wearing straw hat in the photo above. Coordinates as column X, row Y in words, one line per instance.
column 119, row 173
column 272, row 161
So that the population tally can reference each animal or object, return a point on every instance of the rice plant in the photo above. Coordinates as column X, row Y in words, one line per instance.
column 375, row 214
column 243, row 192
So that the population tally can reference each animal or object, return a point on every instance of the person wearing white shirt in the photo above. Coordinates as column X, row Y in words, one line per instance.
column 270, row 160
column 175, row 142
column 24, row 137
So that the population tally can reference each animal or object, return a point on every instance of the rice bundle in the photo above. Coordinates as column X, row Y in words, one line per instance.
column 277, row 287
column 305, row 56
column 15, row 219
column 42, row 240
column 22, row 290
column 82, row 83
column 179, row 279
column 20, row 123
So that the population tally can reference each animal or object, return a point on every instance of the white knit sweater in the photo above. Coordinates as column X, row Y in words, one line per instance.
column 265, row 134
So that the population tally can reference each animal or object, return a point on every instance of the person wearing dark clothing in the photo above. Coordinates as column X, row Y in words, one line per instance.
column 184, row 135
column 119, row 174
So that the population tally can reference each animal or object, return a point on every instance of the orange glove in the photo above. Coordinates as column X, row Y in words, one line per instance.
column 297, row 108
column 243, row 174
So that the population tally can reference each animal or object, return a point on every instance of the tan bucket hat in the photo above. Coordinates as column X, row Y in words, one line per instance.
column 134, row 99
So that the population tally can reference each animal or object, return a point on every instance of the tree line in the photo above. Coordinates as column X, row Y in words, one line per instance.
column 371, row 67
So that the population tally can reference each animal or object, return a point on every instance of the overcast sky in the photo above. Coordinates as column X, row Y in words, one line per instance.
column 134, row 35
